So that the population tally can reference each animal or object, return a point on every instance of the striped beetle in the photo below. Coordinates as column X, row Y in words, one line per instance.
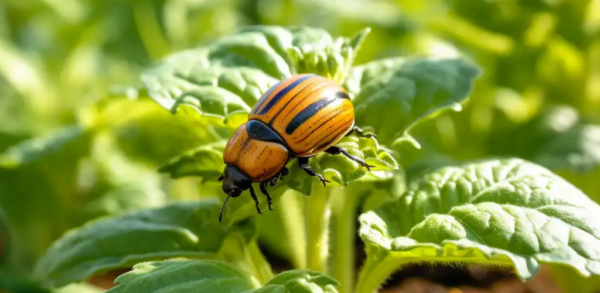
column 298, row 117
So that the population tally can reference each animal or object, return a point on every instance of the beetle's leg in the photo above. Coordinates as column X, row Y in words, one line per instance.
column 303, row 162
column 221, row 177
column 263, row 188
column 284, row 172
column 273, row 181
column 334, row 150
column 360, row 132
column 253, row 194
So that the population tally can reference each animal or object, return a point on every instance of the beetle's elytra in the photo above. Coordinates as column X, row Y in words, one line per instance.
column 297, row 118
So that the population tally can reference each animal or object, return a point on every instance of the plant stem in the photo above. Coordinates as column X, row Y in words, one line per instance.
column 260, row 266
column 290, row 213
column 378, row 267
column 343, row 239
column 317, row 215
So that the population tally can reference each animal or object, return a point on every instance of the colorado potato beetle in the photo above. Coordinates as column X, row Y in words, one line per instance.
column 298, row 117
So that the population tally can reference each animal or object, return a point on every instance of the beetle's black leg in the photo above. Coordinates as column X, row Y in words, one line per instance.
column 263, row 188
column 253, row 194
column 334, row 150
column 284, row 172
column 303, row 162
column 273, row 181
column 221, row 177
column 360, row 132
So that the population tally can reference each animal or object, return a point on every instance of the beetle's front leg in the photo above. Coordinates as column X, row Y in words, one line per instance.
column 263, row 188
column 253, row 194
column 334, row 150
column 303, row 162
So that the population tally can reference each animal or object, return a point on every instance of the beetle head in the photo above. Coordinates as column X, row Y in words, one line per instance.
column 234, row 183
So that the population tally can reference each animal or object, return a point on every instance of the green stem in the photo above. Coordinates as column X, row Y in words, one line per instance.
column 151, row 34
column 290, row 213
column 378, row 267
column 343, row 239
column 317, row 223
column 260, row 266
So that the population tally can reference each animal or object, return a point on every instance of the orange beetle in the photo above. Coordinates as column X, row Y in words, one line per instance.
column 297, row 118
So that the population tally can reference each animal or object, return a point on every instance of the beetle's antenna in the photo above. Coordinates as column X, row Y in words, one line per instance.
column 223, row 207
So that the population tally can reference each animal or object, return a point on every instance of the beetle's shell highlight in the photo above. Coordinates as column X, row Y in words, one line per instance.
column 309, row 112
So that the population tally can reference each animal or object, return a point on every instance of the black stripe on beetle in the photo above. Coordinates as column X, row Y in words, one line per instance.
column 282, row 94
column 290, row 100
column 310, row 111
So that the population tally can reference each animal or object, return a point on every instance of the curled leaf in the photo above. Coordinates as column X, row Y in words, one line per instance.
column 498, row 212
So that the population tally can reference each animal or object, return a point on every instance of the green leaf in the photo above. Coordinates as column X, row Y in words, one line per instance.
column 205, row 161
column 497, row 212
column 558, row 138
column 115, row 183
column 6, row 241
column 215, row 277
column 183, row 276
column 570, row 281
column 182, row 229
column 577, row 150
column 64, row 139
column 228, row 76
column 145, row 132
column 300, row 281
column 393, row 95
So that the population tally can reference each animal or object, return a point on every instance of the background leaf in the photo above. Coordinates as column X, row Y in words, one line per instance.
column 392, row 95
column 183, row 276
column 213, row 276
column 497, row 212
column 182, row 229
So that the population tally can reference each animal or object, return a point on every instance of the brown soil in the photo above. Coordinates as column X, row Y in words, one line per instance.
column 474, row 280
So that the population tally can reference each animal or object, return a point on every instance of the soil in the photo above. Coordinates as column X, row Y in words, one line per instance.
column 422, row 279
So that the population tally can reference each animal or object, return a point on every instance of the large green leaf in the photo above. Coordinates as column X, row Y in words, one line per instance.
column 392, row 95
column 184, row 276
column 497, row 212
column 66, row 140
column 183, row 229
column 229, row 75
column 215, row 277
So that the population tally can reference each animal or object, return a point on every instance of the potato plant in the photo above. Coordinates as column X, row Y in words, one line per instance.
column 500, row 212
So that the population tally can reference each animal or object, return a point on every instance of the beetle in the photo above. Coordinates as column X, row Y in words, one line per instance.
column 299, row 117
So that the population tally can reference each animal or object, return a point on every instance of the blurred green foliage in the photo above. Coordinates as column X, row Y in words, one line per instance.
column 71, row 67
